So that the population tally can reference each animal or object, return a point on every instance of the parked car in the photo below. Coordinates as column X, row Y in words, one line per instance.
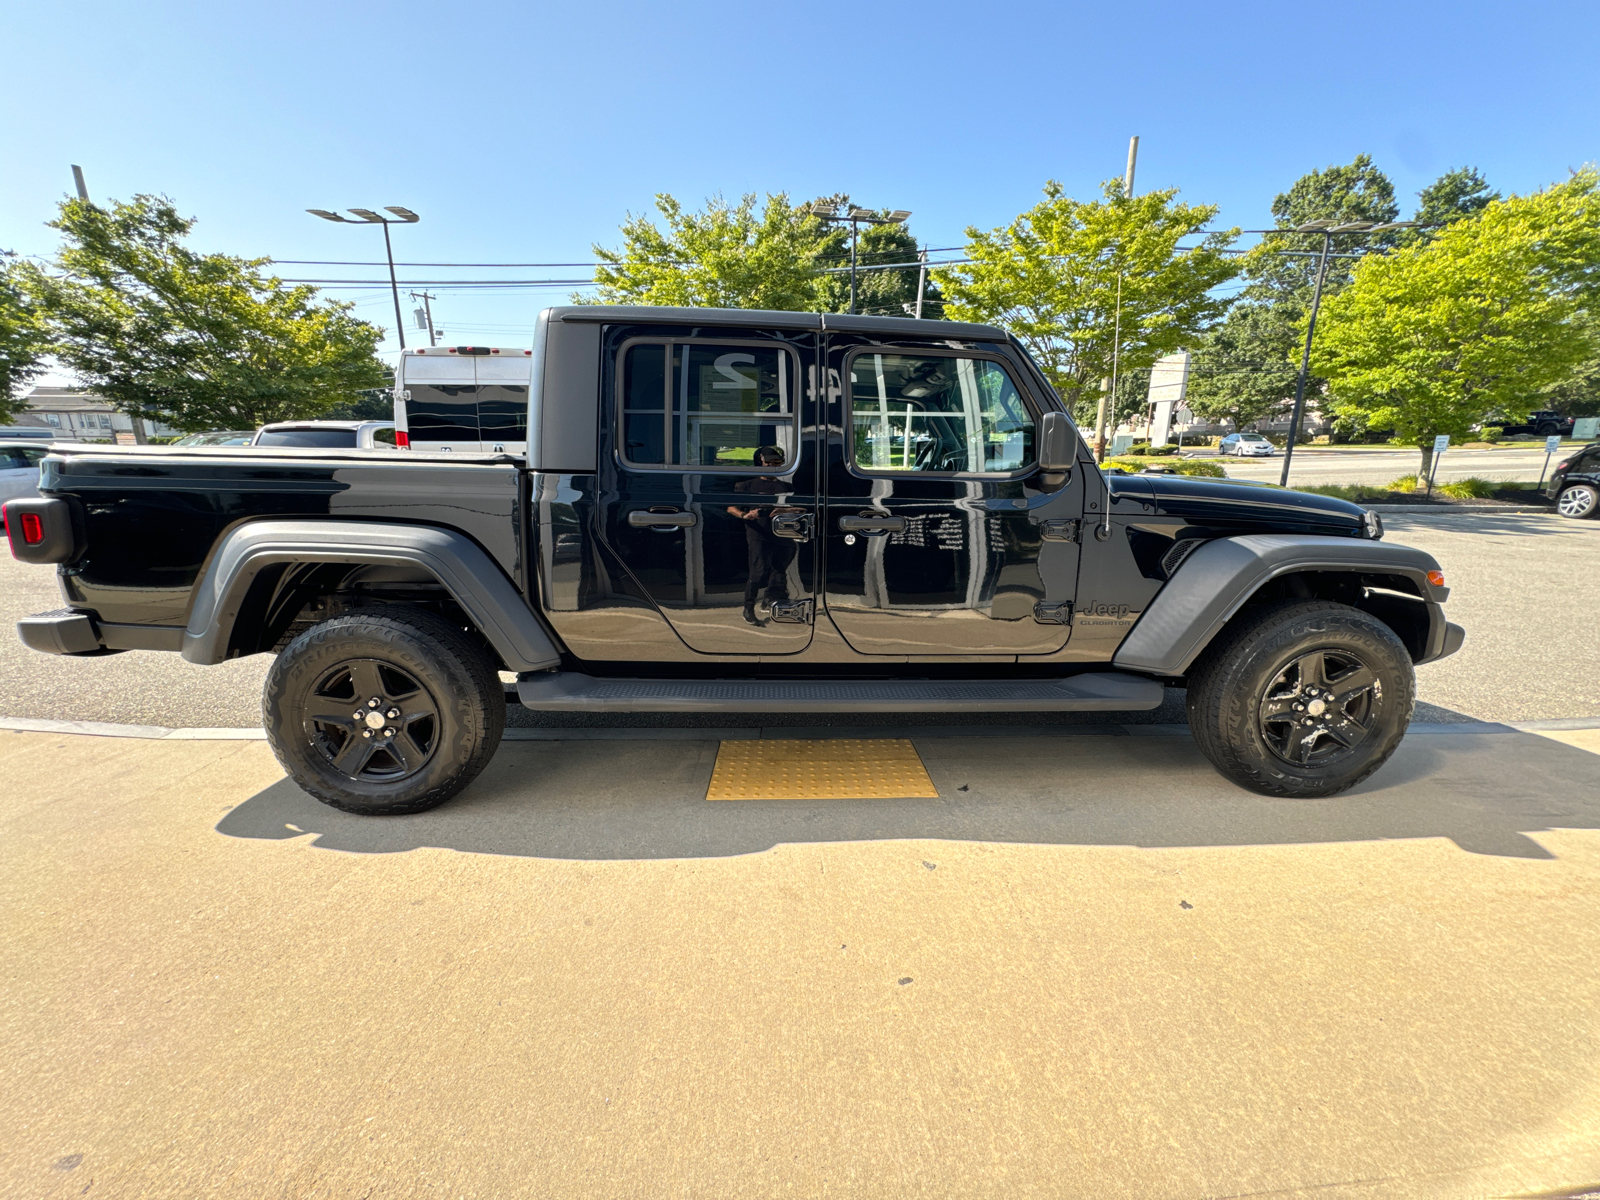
column 218, row 437
column 1575, row 485
column 1541, row 423
column 740, row 511
column 19, row 468
column 328, row 435
column 1244, row 445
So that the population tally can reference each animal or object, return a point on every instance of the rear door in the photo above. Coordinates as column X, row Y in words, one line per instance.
column 941, row 538
column 707, row 484
column 441, row 402
column 503, row 380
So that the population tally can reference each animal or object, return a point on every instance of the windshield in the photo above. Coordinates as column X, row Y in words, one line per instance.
column 308, row 437
column 1253, row 437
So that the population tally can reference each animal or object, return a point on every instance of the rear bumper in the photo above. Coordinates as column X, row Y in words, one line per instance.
column 68, row 631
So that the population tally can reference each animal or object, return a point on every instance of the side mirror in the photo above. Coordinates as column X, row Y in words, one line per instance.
column 1057, row 445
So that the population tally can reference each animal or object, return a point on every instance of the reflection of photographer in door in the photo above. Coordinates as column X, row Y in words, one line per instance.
column 770, row 555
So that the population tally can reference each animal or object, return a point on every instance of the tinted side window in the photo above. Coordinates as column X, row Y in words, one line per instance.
column 12, row 458
column 717, row 405
column 443, row 412
column 325, row 438
column 937, row 413
column 503, row 412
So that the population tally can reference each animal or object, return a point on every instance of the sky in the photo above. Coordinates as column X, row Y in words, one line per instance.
column 525, row 133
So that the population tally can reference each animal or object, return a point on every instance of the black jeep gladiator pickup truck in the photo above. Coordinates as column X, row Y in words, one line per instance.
column 747, row 512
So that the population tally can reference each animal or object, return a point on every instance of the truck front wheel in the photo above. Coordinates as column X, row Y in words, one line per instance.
column 1302, row 699
column 383, row 713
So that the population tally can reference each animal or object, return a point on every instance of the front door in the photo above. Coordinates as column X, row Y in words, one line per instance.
column 708, row 485
column 942, row 538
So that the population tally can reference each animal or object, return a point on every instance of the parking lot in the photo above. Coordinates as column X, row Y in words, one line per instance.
column 1088, row 966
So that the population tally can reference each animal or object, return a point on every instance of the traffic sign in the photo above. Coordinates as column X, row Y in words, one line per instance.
column 1552, row 443
column 1440, row 442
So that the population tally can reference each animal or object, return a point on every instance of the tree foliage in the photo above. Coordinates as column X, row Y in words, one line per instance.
column 1437, row 337
column 1456, row 195
column 23, row 342
column 1245, row 368
column 200, row 341
column 1052, row 276
column 782, row 258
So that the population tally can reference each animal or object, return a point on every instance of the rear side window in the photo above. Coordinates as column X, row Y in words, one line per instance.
column 323, row 438
column 442, row 412
column 937, row 413
column 503, row 412
column 12, row 458
column 716, row 405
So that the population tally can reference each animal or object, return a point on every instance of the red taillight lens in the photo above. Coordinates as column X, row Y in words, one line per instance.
column 1562, row 466
column 1436, row 578
column 32, row 529
column 402, row 439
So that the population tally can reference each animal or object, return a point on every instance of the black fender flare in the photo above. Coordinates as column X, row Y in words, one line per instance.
column 1218, row 579
column 460, row 565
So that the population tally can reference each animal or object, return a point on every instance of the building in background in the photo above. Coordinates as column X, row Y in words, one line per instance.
column 82, row 416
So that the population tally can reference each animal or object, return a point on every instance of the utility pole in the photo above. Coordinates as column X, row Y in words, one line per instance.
column 922, row 278
column 1108, row 387
column 427, row 312
column 77, row 178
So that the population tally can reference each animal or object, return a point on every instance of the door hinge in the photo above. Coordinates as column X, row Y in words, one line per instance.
column 1053, row 614
column 791, row 612
column 793, row 525
column 1059, row 530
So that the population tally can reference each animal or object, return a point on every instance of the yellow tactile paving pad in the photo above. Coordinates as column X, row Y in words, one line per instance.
column 842, row 769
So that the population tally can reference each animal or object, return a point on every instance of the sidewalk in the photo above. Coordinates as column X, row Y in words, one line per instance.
column 1089, row 967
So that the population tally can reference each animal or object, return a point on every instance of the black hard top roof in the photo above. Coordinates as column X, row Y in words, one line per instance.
column 645, row 314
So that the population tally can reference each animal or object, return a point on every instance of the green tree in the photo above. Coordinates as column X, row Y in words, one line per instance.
column 23, row 342
column 724, row 257
column 1246, row 367
column 1437, row 337
column 1454, row 196
column 200, row 341
column 1244, row 370
column 1058, row 274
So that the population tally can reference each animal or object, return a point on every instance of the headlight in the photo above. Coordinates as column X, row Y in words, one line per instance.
column 1372, row 525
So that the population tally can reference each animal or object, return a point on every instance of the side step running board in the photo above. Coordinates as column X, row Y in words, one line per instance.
column 1106, row 691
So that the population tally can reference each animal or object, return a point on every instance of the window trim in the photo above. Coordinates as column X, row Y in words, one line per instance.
column 1010, row 368
column 619, row 440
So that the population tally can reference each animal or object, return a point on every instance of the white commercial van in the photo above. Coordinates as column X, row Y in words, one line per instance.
column 463, row 398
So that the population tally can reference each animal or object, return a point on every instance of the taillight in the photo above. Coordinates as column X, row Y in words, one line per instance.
column 32, row 529
column 402, row 439
column 1562, row 466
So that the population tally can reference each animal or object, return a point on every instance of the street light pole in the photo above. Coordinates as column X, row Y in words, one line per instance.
column 1327, row 228
column 402, row 216
column 856, row 217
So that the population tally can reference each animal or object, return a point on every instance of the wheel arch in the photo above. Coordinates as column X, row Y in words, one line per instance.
column 265, row 573
column 1225, row 578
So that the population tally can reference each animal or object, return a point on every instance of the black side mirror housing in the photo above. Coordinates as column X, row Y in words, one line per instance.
column 1057, row 445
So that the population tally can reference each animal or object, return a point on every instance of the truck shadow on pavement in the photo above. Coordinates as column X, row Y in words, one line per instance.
column 645, row 799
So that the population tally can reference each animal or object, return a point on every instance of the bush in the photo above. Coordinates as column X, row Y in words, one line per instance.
column 1492, row 433
column 1181, row 466
column 1406, row 483
column 1138, row 448
column 1355, row 492
column 1168, row 448
column 1470, row 488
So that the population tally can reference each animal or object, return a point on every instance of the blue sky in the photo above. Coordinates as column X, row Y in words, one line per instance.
column 525, row 132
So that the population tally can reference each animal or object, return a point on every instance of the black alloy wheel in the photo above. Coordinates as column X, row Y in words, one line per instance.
column 1319, row 708
column 1301, row 698
column 372, row 720
column 384, row 711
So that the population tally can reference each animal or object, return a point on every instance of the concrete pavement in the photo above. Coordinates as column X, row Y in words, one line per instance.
column 1090, row 968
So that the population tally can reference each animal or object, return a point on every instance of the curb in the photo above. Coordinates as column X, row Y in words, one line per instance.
column 750, row 732
column 1443, row 510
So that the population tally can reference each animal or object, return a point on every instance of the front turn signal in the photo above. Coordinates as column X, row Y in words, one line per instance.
column 1436, row 578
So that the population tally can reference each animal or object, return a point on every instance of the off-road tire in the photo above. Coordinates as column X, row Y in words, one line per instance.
column 458, row 682
column 1240, row 679
column 1581, row 500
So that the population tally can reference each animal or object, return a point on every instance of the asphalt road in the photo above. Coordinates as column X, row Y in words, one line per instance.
column 1315, row 464
column 1089, row 967
column 1518, row 587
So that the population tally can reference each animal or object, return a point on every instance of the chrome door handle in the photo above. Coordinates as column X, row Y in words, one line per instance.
column 641, row 518
column 872, row 525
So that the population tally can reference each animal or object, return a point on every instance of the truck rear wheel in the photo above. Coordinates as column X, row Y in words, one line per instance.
column 385, row 712
column 1302, row 699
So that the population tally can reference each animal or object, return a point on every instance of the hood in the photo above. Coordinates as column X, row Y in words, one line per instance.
column 1237, row 506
